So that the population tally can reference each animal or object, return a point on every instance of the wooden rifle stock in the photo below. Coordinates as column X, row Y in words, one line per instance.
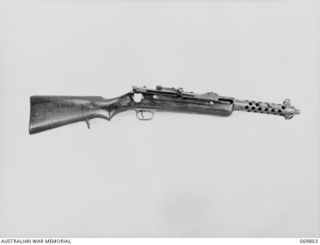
column 49, row 112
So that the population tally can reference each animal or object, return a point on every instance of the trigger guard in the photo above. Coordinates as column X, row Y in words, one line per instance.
column 142, row 118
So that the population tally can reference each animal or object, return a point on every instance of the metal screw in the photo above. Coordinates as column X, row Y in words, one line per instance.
column 286, row 102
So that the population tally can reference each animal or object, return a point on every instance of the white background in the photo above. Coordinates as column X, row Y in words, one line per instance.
column 179, row 175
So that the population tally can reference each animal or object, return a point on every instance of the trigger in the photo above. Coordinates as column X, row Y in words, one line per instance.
column 88, row 123
column 141, row 116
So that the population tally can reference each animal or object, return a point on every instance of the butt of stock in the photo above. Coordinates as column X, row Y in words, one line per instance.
column 48, row 112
